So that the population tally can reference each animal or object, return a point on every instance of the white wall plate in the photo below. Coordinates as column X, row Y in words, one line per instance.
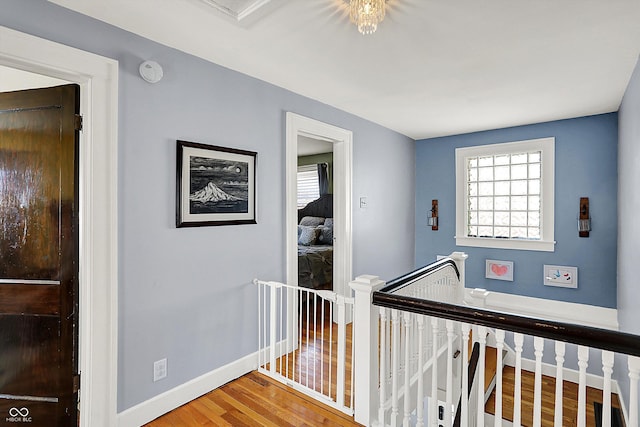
column 561, row 276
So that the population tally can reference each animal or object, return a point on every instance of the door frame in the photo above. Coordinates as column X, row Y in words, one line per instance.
column 342, row 141
column 98, row 327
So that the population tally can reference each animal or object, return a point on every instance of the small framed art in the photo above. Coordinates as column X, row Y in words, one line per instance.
column 215, row 185
column 499, row 270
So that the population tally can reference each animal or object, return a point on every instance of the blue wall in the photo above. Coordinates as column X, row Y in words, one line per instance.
column 586, row 166
column 186, row 294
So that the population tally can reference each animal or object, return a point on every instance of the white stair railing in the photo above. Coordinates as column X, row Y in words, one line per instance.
column 421, row 322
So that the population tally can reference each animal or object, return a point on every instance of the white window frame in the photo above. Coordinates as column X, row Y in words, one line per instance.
column 547, row 148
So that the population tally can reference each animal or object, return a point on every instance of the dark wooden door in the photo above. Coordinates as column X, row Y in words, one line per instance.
column 39, row 257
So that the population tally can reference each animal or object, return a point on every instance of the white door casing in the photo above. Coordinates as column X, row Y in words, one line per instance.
column 98, row 80
column 342, row 141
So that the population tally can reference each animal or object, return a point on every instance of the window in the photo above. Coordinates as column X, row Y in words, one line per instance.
column 308, row 185
column 504, row 195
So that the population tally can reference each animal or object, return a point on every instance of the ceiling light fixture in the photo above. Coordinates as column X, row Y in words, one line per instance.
column 367, row 14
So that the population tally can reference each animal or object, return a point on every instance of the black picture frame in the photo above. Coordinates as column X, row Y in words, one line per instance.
column 214, row 185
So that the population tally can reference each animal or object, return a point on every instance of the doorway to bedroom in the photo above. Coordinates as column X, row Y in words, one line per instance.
column 314, row 199
column 327, row 149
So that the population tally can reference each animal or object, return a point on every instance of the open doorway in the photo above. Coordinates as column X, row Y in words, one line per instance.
column 315, row 213
column 98, row 80
column 39, row 248
column 338, row 142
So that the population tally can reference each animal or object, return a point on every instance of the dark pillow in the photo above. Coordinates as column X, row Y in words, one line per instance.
column 326, row 235
column 328, row 222
column 312, row 221
column 307, row 236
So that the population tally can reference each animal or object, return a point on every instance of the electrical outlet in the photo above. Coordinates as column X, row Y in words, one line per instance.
column 159, row 369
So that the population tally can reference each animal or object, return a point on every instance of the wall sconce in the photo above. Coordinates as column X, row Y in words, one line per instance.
column 432, row 219
column 584, row 219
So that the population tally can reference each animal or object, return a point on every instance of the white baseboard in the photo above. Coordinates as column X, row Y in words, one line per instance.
column 178, row 396
column 581, row 314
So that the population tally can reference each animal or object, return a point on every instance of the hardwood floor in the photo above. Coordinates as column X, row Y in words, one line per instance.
column 569, row 400
column 254, row 400
column 258, row 400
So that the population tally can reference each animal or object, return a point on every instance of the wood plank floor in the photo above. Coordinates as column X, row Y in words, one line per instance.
column 569, row 400
column 258, row 400
column 254, row 400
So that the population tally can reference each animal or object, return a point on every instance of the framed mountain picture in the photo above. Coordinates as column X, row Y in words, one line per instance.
column 214, row 185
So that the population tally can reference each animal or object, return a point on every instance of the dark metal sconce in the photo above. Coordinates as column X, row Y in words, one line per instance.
column 584, row 219
column 432, row 220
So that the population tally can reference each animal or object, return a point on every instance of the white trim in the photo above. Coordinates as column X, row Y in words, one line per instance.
column 561, row 311
column 546, row 242
column 98, row 78
column 342, row 140
column 184, row 393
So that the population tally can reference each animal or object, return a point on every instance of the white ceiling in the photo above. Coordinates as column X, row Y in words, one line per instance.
column 434, row 67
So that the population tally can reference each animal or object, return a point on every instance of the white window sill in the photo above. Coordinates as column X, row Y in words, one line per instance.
column 525, row 245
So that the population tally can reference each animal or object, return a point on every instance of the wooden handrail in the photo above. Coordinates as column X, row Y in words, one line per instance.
column 407, row 279
column 604, row 339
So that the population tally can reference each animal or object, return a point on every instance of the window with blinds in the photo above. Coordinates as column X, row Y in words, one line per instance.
column 506, row 195
column 308, row 184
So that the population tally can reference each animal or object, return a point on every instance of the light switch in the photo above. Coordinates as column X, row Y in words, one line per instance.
column 561, row 276
column 363, row 202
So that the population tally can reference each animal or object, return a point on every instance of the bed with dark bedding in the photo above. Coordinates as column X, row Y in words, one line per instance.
column 315, row 244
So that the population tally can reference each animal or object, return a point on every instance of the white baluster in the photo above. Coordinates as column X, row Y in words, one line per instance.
column 607, row 369
column 407, row 370
column 383, row 364
column 482, row 340
column 449, row 395
column 634, row 375
column 499, row 349
column 538, row 346
column 464, row 400
column 433, row 402
column 560, row 346
column 420, row 393
column 395, row 366
column 517, row 391
column 583, row 359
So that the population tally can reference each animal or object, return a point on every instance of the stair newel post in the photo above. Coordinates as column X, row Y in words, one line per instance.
column 498, row 401
column 459, row 258
column 482, row 340
column 634, row 376
column 560, row 349
column 365, row 342
column 538, row 346
column 607, row 370
column 449, row 393
column 464, row 400
column 420, row 393
column 518, row 340
column 583, row 362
